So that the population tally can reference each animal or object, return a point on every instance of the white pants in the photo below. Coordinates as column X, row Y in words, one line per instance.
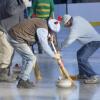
column 6, row 51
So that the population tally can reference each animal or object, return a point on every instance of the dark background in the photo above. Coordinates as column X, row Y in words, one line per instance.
column 74, row 1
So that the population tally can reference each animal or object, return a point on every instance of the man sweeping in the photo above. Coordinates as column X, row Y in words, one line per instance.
column 22, row 35
column 81, row 30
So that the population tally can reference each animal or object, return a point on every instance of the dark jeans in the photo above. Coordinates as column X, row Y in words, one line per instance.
column 40, row 50
column 83, row 55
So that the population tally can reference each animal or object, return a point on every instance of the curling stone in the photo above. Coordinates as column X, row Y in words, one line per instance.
column 63, row 83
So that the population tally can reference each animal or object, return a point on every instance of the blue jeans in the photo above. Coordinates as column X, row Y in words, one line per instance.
column 28, row 58
column 83, row 55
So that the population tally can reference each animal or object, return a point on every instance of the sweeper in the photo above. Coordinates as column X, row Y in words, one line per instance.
column 82, row 31
column 23, row 35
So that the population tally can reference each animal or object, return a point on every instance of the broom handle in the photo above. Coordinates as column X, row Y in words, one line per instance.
column 64, row 71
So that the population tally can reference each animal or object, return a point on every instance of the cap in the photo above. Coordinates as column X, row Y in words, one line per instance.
column 66, row 18
column 54, row 25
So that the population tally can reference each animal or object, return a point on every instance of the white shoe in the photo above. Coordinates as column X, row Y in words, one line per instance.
column 92, row 80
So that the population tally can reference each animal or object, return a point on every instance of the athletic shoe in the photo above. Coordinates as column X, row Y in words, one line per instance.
column 25, row 84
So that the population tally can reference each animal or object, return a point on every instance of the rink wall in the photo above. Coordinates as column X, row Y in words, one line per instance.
column 90, row 11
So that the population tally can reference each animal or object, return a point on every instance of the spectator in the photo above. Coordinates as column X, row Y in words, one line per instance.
column 28, row 7
column 11, row 13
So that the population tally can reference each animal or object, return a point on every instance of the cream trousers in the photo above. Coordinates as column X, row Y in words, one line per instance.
column 6, row 51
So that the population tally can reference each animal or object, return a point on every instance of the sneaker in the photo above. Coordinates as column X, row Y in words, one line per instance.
column 25, row 84
column 92, row 80
column 4, row 77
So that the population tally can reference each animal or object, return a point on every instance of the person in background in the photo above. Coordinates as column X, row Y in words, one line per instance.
column 22, row 35
column 11, row 13
column 42, row 9
column 28, row 7
column 81, row 30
